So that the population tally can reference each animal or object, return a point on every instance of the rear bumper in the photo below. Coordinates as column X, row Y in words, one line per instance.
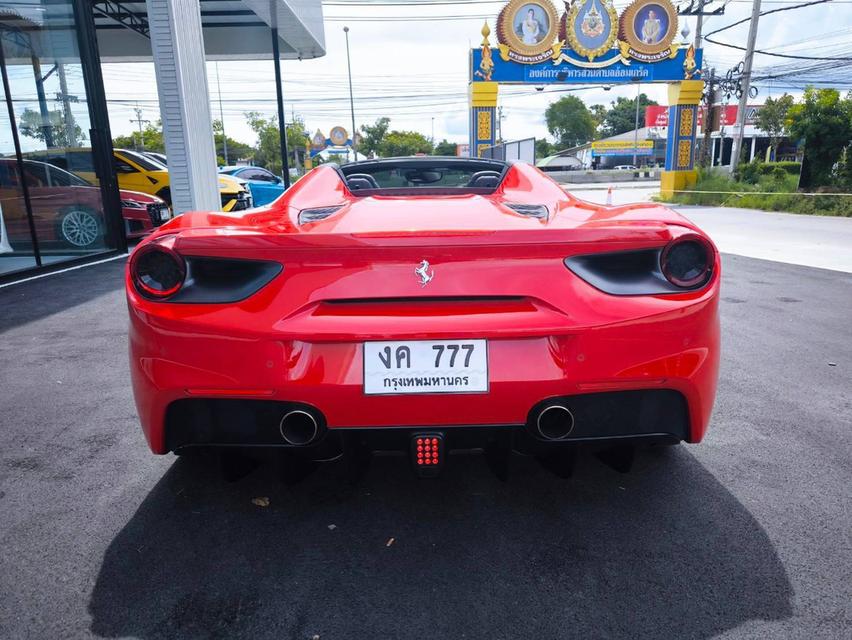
column 176, row 360
column 648, row 415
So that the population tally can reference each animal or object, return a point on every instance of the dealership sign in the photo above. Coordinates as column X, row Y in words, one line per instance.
column 622, row 148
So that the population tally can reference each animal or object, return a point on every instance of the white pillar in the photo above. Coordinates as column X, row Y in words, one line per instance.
column 712, row 151
column 753, row 147
column 178, row 48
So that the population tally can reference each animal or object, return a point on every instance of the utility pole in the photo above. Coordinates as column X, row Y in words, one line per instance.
column 351, row 98
column 636, row 127
column 138, row 120
column 70, row 123
column 46, row 128
column 222, row 117
column 704, row 159
column 746, row 86
column 698, row 24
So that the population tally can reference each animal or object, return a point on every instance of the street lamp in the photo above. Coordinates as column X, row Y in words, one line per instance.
column 351, row 99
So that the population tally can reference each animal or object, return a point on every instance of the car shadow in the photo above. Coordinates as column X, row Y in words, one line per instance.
column 664, row 551
column 33, row 300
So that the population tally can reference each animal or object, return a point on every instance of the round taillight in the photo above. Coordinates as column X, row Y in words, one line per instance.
column 157, row 271
column 687, row 261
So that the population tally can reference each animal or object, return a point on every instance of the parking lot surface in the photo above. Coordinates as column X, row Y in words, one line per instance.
column 746, row 535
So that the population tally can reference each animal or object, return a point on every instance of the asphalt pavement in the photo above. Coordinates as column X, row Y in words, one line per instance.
column 747, row 535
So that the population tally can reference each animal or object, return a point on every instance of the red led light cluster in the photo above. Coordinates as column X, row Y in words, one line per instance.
column 427, row 451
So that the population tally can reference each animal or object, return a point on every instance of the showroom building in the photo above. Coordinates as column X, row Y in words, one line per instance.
column 60, row 204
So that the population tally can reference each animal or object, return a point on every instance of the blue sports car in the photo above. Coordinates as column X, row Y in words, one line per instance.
column 265, row 186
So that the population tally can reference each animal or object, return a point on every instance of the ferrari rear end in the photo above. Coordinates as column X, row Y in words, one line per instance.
column 392, row 322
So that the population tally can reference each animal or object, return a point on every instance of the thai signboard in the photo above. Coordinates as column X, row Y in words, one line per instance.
column 588, row 44
column 622, row 148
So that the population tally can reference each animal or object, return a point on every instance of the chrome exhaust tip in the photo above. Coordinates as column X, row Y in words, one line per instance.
column 554, row 422
column 298, row 428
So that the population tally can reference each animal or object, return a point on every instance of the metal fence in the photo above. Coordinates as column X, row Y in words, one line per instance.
column 523, row 150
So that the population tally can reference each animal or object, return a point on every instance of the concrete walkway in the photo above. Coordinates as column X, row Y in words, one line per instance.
column 810, row 241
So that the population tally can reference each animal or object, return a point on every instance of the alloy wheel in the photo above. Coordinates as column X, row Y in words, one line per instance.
column 79, row 228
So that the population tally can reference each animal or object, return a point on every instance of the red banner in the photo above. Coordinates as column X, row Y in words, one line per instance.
column 658, row 116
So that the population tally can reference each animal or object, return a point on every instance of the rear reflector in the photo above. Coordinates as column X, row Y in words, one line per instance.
column 427, row 453
column 231, row 392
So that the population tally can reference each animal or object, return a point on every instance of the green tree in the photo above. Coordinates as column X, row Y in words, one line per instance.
column 267, row 153
column 152, row 139
column 621, row 116
column 236, row 150
column 599, row 114
column 772, row 118
column 404, row 143
column 63, row 132
column 373, row 135
column 445, row 148
column 570, row 122
column 543, row 148
column 824, row 121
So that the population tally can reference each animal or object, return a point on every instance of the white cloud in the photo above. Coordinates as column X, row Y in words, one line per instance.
column 414, row 71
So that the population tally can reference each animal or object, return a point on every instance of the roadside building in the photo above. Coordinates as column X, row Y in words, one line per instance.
column 614, row 151
column 756, row 142
column 617, row 150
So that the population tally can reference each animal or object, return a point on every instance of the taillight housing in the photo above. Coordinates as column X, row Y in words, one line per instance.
column 162, row 274
column 687, row 261
column 157, row 270
column 685, row 264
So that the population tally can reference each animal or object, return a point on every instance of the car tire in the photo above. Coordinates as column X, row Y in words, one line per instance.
column 79, row 227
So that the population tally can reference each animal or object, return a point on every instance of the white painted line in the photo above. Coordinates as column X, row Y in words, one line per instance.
column 53, row 273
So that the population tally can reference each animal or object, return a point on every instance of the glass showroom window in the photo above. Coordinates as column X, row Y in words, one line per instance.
column 51, row 211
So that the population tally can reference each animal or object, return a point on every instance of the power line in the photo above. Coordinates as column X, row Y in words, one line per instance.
column 770, row 53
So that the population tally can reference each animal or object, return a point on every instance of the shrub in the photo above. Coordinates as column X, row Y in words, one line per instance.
column 793, row 168
column 749, row 172
column 772, row 188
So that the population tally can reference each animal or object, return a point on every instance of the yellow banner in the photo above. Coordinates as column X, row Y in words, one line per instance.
column 604, row 145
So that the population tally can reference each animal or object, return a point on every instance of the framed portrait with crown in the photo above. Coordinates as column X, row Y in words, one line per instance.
column 527, row 29
column 648, row 29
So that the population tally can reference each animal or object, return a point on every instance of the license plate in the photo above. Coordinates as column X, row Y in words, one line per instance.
column 426, row 366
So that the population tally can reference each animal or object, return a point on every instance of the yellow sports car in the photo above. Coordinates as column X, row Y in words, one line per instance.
column 138, row 172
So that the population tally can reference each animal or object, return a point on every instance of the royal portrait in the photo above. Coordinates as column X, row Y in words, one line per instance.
column 526, row 30
column 531, row 24
column 648, row 29
column 651, row 24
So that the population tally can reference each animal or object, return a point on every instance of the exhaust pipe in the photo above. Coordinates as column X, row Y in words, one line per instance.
column 298, row 428
column 554, row 422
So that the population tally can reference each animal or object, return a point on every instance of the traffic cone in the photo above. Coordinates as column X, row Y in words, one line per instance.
column 609, row 196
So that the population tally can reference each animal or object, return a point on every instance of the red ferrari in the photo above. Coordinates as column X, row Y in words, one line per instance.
column 424, row 305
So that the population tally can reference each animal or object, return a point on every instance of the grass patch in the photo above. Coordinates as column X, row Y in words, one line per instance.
column 767, row 190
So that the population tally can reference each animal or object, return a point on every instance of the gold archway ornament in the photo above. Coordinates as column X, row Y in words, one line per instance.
column 590, row 27
column 486, row 65
column 527, row 31
column 647, row 31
